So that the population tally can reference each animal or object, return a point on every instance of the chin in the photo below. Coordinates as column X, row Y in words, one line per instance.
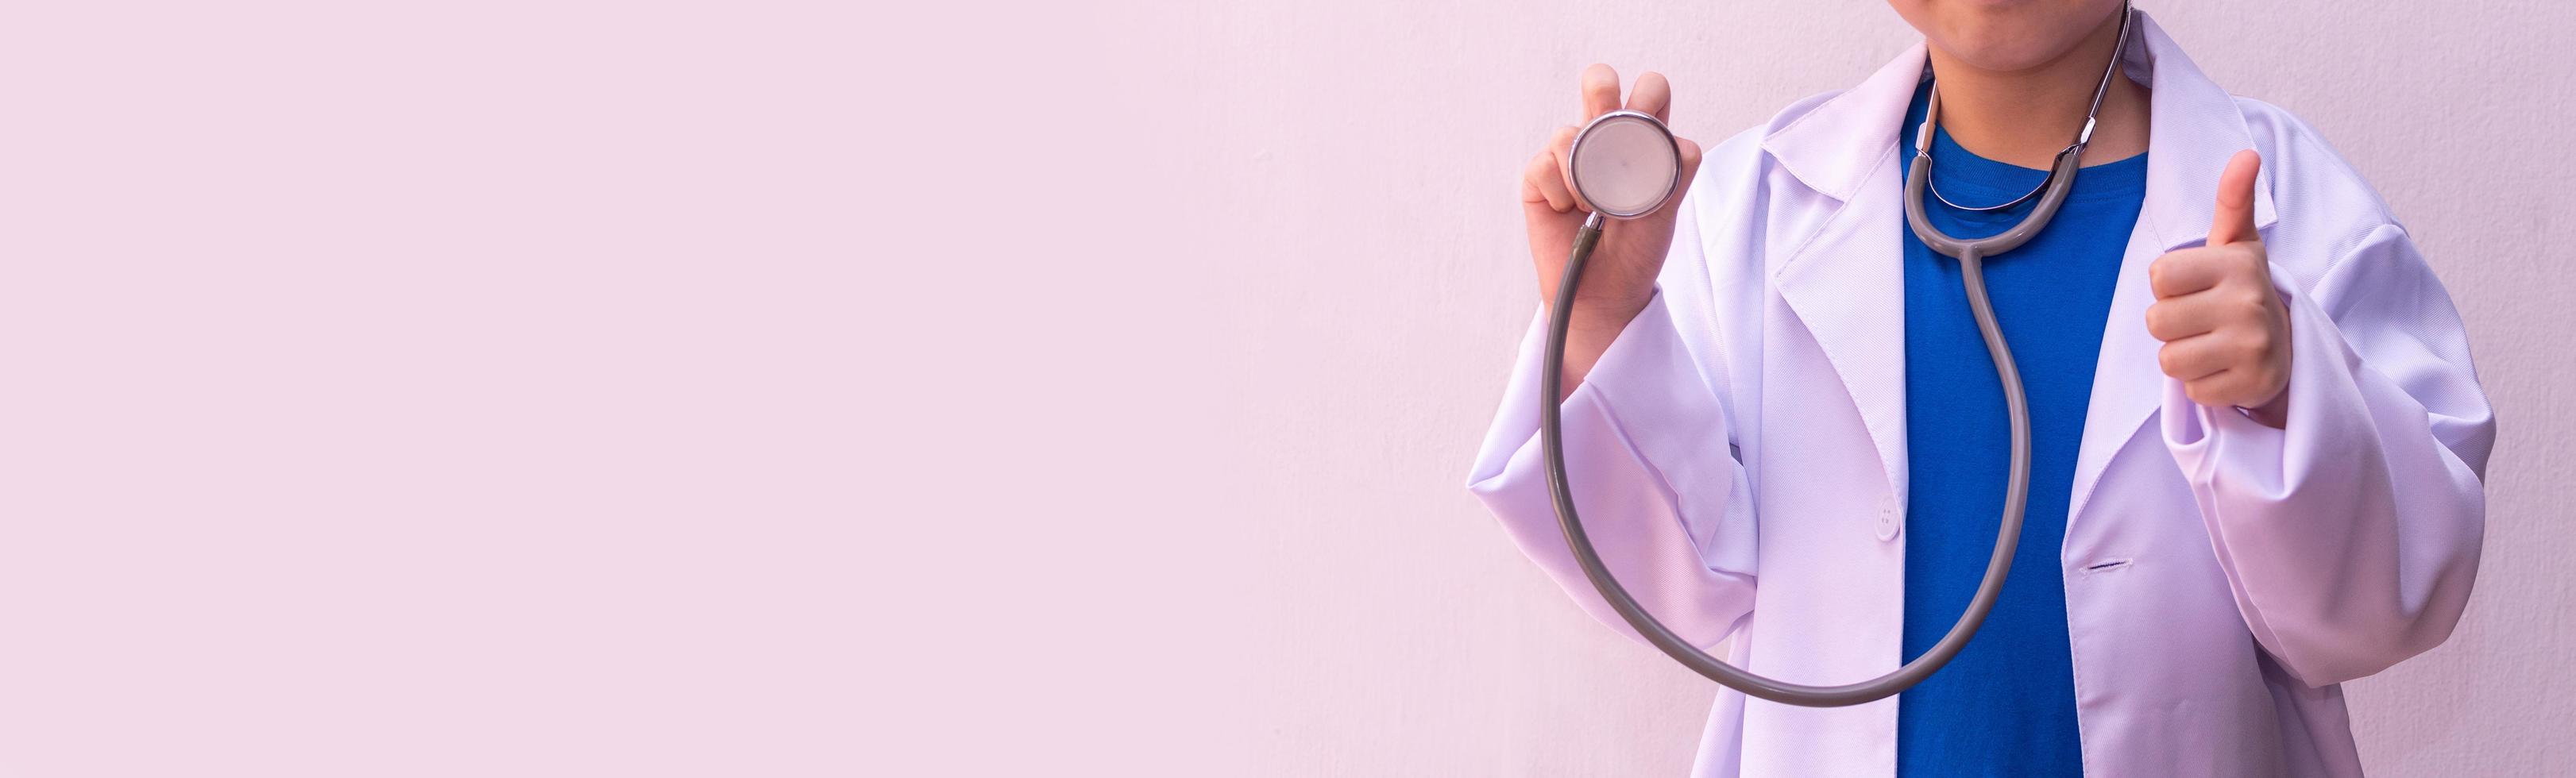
column 2006, row 35
column 2005, row 50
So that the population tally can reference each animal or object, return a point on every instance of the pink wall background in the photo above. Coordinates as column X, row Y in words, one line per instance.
column 800, row 388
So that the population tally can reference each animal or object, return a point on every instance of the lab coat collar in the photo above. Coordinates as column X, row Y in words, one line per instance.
column 2194, row 127
column 1843, row 273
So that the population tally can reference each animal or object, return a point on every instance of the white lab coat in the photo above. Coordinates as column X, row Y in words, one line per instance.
column 1739, row 452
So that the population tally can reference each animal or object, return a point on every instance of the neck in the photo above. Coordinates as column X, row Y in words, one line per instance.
column 2024, row 117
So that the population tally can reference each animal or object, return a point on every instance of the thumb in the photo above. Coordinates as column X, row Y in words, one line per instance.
column 2235, row 219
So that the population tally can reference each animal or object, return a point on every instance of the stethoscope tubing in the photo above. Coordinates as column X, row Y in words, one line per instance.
column 1971, row 254
column 2007, row 540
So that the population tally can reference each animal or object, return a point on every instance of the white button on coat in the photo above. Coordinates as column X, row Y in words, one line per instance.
column 1890, row 520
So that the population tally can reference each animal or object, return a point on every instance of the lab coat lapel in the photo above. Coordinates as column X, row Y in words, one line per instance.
column 2193, row 127
column 1842, row 272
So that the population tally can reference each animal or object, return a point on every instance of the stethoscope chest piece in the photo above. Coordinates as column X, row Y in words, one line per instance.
column 1625, row 164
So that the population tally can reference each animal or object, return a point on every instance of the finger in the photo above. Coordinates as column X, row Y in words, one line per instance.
column 1652, row 95
column 2235, row 218
column 2204, row 390
column 2186, row 271
column 1562, row 147
column 2223, row 389
column 1600, row 91
column 2195, row 357
column 1543, row 186
column 2179, row 318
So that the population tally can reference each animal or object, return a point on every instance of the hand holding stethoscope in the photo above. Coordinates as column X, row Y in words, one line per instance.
column 1619, row 279
column 1625, row 165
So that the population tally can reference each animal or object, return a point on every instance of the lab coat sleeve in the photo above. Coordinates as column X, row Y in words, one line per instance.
column 2350, row 537
column 1646, row 447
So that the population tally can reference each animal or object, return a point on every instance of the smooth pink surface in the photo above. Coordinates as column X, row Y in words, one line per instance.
column 585, row 388
column 573, row 388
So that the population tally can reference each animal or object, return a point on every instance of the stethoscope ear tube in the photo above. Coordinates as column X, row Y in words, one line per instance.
column 1552, row 444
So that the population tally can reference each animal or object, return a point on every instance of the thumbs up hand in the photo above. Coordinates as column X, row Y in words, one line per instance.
column 2226, row 333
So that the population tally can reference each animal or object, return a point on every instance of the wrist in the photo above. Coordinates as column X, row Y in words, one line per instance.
column 1608, row 316
column 1594, row 326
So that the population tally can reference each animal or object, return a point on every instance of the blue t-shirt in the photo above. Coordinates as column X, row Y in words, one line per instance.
column 2005, row 706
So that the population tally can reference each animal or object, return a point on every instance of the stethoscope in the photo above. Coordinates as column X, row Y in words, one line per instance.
column 1626, row 165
